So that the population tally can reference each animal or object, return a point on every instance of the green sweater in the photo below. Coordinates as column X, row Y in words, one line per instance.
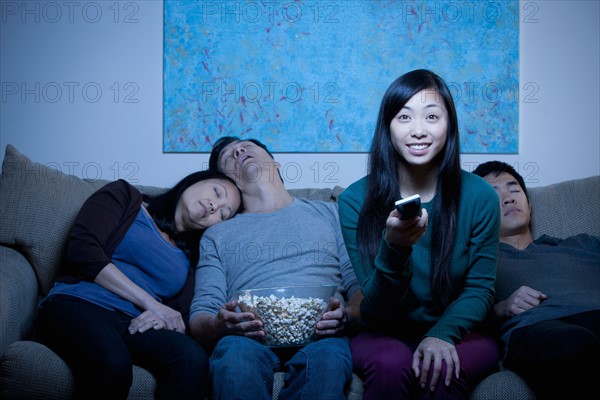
column 397, row 292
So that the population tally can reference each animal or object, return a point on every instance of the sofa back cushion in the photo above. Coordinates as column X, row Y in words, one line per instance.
column 323, row 194
column 566, row 208
column 37, row 210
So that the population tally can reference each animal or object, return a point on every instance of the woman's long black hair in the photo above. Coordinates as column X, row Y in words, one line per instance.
column 162, row 209
column 383, row 187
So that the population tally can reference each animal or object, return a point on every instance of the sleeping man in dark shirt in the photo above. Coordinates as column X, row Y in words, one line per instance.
column 547, row 297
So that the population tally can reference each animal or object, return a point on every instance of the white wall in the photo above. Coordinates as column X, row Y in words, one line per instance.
column 70, row 74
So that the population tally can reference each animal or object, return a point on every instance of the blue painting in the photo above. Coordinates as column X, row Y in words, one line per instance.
column 308, row 76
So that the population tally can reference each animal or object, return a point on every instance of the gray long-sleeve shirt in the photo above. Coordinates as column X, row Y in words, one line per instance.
column 300, row 244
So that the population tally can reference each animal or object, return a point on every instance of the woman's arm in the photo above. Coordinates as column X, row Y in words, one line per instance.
column 388, row 282
column 156, row 315
column 478, row 236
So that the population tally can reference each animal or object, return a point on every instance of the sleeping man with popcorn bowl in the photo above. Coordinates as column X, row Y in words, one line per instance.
column 276, row 241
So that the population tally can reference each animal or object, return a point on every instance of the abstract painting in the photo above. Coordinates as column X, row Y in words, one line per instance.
column 308, row 76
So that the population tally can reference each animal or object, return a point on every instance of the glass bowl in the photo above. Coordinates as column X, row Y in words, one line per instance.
column 289, row 314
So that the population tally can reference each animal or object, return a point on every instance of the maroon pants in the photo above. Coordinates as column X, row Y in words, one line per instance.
column 385, row 365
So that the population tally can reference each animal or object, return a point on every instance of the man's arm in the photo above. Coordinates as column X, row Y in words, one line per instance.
column 343, row 318
column 203, row 328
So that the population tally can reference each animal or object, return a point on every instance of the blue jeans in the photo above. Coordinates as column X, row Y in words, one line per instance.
column 243, row 368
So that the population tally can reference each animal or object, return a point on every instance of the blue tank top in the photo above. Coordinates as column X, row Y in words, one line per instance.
column 147, row 259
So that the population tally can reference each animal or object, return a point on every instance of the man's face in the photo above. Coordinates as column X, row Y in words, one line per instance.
column 246, row 162
column 514, row 207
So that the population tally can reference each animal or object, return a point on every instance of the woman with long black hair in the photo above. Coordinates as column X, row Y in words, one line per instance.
column 427, row 281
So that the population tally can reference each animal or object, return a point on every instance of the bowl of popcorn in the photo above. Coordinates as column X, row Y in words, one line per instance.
column 289, row 314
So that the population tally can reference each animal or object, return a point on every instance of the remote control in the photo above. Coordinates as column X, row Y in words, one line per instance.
column 409, row 207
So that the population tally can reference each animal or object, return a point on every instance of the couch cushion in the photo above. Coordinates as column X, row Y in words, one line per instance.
column 18, row 295
column 37, row 208
column 502, row 385
column 566, row 208
column 312, row 193
column 30, row 370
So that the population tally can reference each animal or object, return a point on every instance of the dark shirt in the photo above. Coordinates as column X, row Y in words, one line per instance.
column 567, row 271
column 98, row 229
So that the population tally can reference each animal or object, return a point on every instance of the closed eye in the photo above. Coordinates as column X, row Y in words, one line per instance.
column 514, row 187
column 224, row 157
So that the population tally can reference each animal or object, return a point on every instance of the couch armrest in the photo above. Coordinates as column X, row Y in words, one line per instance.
column 30, row 370
column 18, row 297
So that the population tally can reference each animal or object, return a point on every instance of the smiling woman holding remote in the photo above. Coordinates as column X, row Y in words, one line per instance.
column 428, row 281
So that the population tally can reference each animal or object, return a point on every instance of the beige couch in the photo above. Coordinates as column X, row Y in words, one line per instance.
column 37, row 207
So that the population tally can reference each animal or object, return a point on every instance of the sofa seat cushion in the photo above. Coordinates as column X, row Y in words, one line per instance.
column 502, row 385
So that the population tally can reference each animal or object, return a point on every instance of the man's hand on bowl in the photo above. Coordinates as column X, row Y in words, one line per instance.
column 333, row 321
column 239, row 323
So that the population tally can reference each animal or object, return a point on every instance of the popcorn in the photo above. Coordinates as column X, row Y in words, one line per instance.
column 287, row 321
